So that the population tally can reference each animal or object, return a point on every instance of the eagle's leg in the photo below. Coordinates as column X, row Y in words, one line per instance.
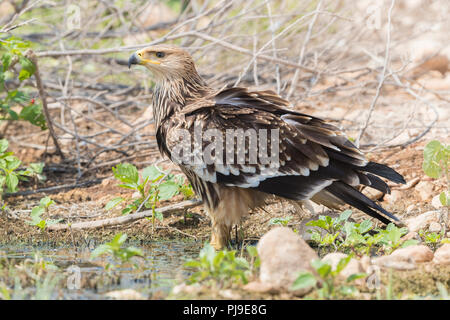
column 220, row 235
column 234, row 204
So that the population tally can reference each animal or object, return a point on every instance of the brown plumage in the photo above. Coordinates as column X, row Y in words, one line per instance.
column 315, row 160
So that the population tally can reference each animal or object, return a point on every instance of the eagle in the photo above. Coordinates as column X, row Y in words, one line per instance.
column 210, row 134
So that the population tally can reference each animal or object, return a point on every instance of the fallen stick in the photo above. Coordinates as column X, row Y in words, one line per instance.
column 184, row 205
column 54, row 188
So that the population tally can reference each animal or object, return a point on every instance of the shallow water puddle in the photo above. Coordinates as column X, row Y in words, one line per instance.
column 83, row 278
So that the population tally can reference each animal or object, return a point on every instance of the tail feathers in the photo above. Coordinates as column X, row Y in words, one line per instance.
column 384, row 171
column 356, row 199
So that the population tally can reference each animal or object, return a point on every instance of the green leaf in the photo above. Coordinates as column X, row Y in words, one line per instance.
column 36, row 212
column 3, row 145
column 46, row 202
column 167, row 190
column 342, row 264
column 410, row 242
column 119, row 239
column 127, row 210
column 356, row 276
column 252, row 251
column 113, row 203
column 127, row 173
column 242, row 263
column 192, row 264
column 152, row 173
column 18, row 96
column 34, row 115
column 159, row 216
column 28, row 68
column 435, row 158
column 100, row 250
column 345, row 215
column 11, row 182
column 304, row 280
column 280, row 221
column 445, row 200
column 37, row 167
column 6, row 60
column 322, row 268
column 12, row 163
column 133, row 251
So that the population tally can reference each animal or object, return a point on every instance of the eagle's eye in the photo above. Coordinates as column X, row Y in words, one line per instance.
column 160, row 54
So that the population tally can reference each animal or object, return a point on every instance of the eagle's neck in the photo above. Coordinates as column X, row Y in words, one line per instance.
column 172, row 94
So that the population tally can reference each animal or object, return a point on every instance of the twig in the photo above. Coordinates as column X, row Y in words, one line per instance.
column 55, row 188
column 30, row 54
column 184, row 205
column 302, row 51
column 383, row 75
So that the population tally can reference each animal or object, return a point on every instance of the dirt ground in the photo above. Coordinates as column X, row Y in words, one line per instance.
column 83, row 204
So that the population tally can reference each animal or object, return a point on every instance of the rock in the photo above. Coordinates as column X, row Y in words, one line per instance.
column 126, row 294
column 393, row 197
column 410, row 235
column 434, row 227
column 442, row 255
column 283, row 255
column 259, row 287
column 365, row 263
column 422, row 220
column 373, row 194
column 352, row 267
column 417, row 253
column 425, row 190
column 405, row 258
column 436, row 202
column 229, row 294
column 390, row 263
column 185, row 288
column 410, row 209
column 136, row 195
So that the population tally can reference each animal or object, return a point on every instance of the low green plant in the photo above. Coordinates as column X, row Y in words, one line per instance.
column 12, row 53
column 433, row 239
column 326, row 279
column 10, row 174
column 280, row 221
column 154, row 185
column 341, row 234
column 222, row 266
column 116, row 249
column 38, row 211
column 436, row 163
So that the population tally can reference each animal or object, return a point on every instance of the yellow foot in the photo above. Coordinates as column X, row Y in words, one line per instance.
column 220, row 238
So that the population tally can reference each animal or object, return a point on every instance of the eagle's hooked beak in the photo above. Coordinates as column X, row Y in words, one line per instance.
column 136, row 58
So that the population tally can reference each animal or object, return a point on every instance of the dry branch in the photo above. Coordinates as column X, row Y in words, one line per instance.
column 181, row 206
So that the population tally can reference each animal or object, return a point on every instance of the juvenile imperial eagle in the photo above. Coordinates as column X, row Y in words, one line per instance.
column 210, row 134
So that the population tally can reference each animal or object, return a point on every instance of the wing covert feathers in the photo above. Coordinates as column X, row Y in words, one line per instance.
column 316, row 160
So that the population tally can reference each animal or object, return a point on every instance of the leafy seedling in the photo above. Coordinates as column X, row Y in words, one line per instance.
column 436, row 160
column 116, row 249
column 12, row 53
column 154, row 185
column 220, row 266
column 280, row 221
column 326, row 279
column 38, row 211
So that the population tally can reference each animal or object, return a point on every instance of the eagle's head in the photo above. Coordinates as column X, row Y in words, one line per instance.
column 165, row 62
